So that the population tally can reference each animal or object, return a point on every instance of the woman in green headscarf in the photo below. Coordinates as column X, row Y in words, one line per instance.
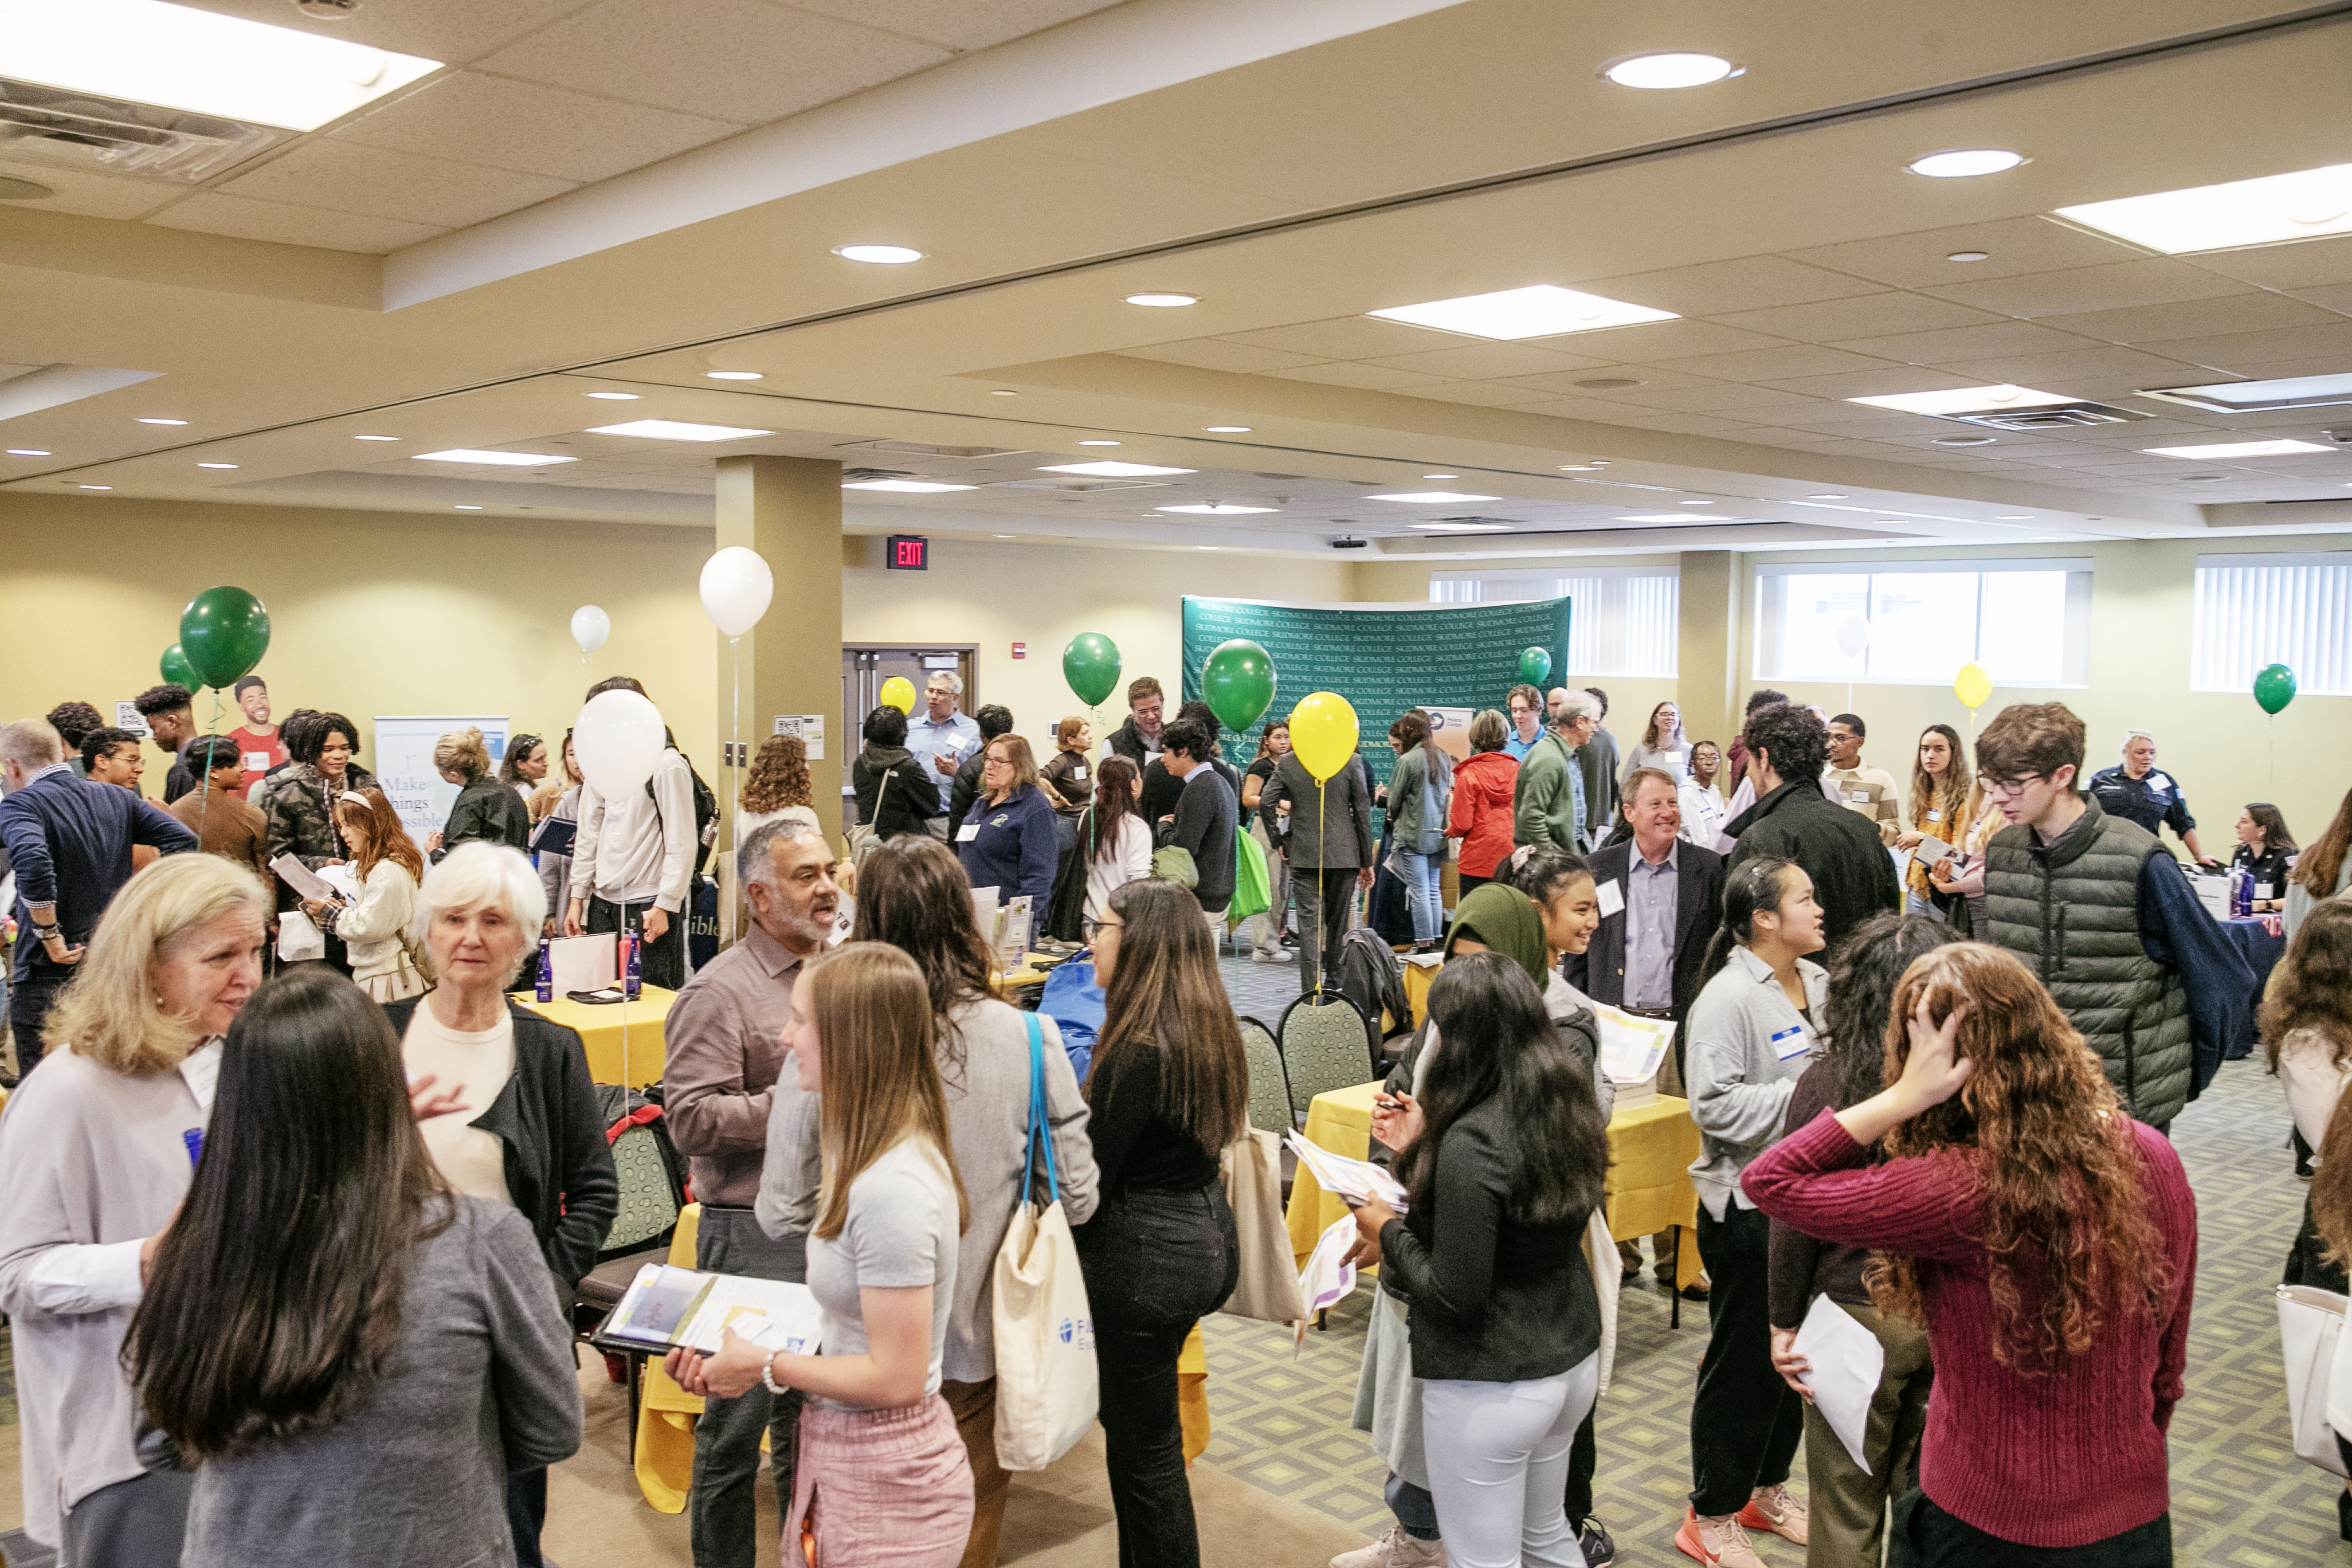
column 1497, row 918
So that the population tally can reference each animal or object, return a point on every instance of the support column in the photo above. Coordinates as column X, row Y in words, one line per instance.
column 788, row 509
column 1706, row 653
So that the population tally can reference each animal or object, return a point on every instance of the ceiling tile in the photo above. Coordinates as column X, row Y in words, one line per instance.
column 1349, row 337
column 377, row 183
column 1723, row 397
column 2195, row 318
column 1482, row 394
column 956, row 23
column 1866, row 316
column 1485, row 361
column 1215, row 353
column 2336, row 296
column 736, row 60
column 1653, row 340
column 2300, row 265
column 1712, row 288
column 1883, row 382
column 2153, row 280
column 1591, row 408
column 1762, row 365
column 1569, row 382
column 2012, row 245
column 2234, row 351
column 2067, row 371
column 540, row 130
column 240, row 217
column 1966, row 343
column 1371, row 378
column 454, row 31
column 88, row 195
column 1681, row 424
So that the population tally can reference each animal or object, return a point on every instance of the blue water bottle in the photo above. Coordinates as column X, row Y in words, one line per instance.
column 2242, row 890
column 633, row 968
column 546, row 991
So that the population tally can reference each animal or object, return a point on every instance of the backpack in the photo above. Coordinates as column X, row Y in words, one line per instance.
column 706, row 812
column 1372, row 977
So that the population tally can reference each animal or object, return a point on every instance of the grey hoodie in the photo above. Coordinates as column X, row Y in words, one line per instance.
column 1746, row 1049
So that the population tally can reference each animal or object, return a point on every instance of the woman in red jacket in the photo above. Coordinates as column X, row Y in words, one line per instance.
column 1480, row 815
column 2049, row 1243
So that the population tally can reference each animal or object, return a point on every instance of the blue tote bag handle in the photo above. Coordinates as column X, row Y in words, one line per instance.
column 1039, row 1132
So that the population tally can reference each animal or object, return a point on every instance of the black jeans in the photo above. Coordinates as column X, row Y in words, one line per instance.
column 1155, row 1264
column 1927, row 1537
column 664, row 960
column 29, row 1001
column 1322, row 919
column 527, row 1513
column 1745, row 1422
column 724, row 1527
column 1583, row 1458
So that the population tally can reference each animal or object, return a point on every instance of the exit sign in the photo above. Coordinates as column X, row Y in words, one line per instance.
column 908, row 552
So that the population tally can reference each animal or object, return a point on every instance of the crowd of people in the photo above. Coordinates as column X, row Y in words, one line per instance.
column 1931, row 1038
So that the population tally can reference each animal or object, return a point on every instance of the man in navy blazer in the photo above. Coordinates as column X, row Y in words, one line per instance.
column 1661, row 901
column 69, row 844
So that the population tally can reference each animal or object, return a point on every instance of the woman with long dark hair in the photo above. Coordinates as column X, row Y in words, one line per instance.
column 2306, row 1027
column 1848, row 1500
column 1169, row 1089
column 1418, row 788
column 524, row 768
column 1504, row 1163
column 1113, row 837
column 1750, row 1031
column 1937, row 809
column 352, row 1355
column 1663, row 746
column 2325, row 870
column 2049, row 1243
column 2266, row 849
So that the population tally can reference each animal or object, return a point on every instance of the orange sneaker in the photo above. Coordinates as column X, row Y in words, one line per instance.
column 1773, row 1509
column 1717, row 1543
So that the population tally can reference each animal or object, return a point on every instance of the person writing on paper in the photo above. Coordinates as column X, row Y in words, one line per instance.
column 96, row 1153
column 1505, row 1153
column 1939, row 812
column 349, row 1355
column 2048, row 1241
column 1010, row 842
column 1849, row 1501
column 1751, row 1030
column 633, row 858
column 374, row 926
column 1168, row 1091
column 516, row 1118
column 878, row 1450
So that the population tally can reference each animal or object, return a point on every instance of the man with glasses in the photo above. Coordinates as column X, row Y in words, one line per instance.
column 1527, row 706
column 2107, row 918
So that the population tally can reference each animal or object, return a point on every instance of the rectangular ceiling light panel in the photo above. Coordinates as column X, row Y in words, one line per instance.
column 1432, row 498
column 905, row 487
column 492, row 459
column 1109, row 471
column 676, row 430
column 2253, row 397
column 2277, row 207
column 1966, row 400
column 1543, row 311
column 2214, row 454
column 180, row 58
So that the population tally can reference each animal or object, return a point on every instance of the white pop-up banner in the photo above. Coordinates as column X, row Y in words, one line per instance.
column 403, row 763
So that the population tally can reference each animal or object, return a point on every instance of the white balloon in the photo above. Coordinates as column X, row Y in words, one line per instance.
column 1852, row 636
column 590, row 627
column 736, row 588
column 617, row 739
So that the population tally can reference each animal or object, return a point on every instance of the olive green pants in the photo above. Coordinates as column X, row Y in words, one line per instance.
column 1849, row 1505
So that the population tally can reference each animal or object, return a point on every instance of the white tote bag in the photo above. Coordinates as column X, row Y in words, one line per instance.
column 1048, row 1390
column 2310, row 1322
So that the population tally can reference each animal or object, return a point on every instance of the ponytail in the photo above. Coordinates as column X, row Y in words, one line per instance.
column 1753, row 888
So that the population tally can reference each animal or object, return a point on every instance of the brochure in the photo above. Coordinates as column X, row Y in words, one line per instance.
column 666, row 1307
column 1631, row 1047
column 1354, row 1181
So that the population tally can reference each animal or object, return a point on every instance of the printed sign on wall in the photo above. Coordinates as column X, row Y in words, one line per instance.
column 403, row 763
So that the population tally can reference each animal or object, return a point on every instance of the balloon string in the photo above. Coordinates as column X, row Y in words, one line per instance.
column 1322, row 905
column 735, row 764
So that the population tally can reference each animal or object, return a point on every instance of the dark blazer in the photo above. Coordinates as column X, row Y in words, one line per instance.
column 1344, row 843
column 488, row 810
column 69, row 842
column 1599, row 970
column 559, row 1167
column 1853, row 876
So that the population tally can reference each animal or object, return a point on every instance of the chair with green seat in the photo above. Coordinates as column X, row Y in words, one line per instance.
column 1322, row 1039
column 640, row 1235
column 1269, row 1086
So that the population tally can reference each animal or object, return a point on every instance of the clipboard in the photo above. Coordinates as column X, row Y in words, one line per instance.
column 666, row 1307
column 554, row 836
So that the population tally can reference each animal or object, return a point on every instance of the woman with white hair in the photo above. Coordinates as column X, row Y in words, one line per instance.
column 509, row 1112
column 96, row 1153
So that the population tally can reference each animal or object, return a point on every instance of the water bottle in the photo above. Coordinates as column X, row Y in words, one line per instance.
column 546, row 991
column 633, row 967
column 2241, row 891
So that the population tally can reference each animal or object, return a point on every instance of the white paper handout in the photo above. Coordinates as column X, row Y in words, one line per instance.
column 667, row 1306
column 1847, row 1363
column 583, row 962
column 1355, row 1180
column 1930, row 850
column 1326, row 1280
column 301, row 878
column 1631, row 1047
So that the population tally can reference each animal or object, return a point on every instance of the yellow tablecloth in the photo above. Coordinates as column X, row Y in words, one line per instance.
column 1029, row 974
column 1651, row 1148
column 602, row 1027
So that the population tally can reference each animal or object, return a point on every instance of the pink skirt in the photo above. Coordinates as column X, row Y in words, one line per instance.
column 880, row 1487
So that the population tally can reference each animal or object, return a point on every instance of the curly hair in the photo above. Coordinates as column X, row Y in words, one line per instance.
column 1798, row 743
column 2313, row 985
column 73, row 720
column 780, row 775
column 2063, row 1213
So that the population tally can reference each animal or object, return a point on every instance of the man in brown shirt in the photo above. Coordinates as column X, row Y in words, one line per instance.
column 216, row 810
column 724, row 1055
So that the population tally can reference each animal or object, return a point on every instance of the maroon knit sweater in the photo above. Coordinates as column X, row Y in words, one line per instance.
column 2064, row 1459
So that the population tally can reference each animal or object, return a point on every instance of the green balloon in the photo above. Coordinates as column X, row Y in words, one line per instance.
column 1535, row 666
column 2275, row 688
column 179, row 671
column 1090, row 664
column 223, row 632
column 1238, row 683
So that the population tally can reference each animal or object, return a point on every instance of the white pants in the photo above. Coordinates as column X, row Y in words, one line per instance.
column 1498, row 1462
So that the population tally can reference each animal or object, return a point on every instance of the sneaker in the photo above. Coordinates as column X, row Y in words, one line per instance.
column 1773, row 1509
column 1264, row 957
column 1717, row 1543
column 1593, row 1539
column 1394, row 1549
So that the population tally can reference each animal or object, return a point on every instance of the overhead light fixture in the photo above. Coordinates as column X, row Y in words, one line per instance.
column 162, row 422
column 615, row 397
column 1964, row 440
column 1003, row 391
column 1226, row 429
column 732, row 376
column 2300, row 206
column 2014, row 517
column 1462, row 525
column 1829, row 495
column 1969, row 255
column 1208, row 547
column 491, row 459
column 1108, row 468
column 1696, row 503
column 1431, row 497
column 2253, row 397
column 906, row 487
column 1965, row 399
column 93, row 487
column 1583, row 467
column 1668, row 71
column 216, row 465
column 177, row 57
column 1657, row 517
column 375, row 438
column 1003, row 536
column 464, row 508
column 1440, row 476
column 28, row 451
column 877, row 255
column 2237, row 450
column 1097, row 443
column 1539, row 311
column 676, row 430
column 1966, row 162
column 1217, row 508
column 1163, row 301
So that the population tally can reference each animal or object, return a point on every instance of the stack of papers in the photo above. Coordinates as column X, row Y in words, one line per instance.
column 1326, row 1280
column 668, row 1307
column 1631, row 1047
column 1352, row 1181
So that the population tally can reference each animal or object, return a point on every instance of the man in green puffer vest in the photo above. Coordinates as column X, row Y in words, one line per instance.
column 2107, row 919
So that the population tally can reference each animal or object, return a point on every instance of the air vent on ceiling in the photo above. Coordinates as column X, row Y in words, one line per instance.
column 867, row 475
column 2049, row 417
column 111, row 135
column 926, row 449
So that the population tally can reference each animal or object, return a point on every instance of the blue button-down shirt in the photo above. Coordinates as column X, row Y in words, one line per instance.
column 953, row 737
column 1652, row 907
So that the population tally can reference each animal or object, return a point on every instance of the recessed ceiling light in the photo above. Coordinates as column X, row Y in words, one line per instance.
column 1829, row 495
column 1226, row 429
column 28, row 451
column 1583, row 467
column 1003, row 391
column 1657, row 517
column 879, row 254
column 93, row 487
column 2012, row 517
column 1163, row 301
column 1097, row 443
column 375, row 438
column 2300, row 206
column 676, row 430
column 493, row 459
column 2237, row 450
column 1217, row 508
column 1966, row 163
column 1440, row 476
column 906, row 487
column 1696, row 503
column 1003, row 536
column 1964, row 440
column 1965, row 399
column 1610, row 382
column 2246, row 396
column 162, row 422
column 732, row 376
column 1432, row 498
column 1463, row 526
column 1670, row 70
column 469, row 508
column 1968, row 256
column 1539, row 311
column 1108, row 468
column 1208, row 547
column 178, row 56
column 216, row 465
column 615, row 397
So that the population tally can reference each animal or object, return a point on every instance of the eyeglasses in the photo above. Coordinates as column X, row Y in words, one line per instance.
column 1093, row 928
column 2009, row 788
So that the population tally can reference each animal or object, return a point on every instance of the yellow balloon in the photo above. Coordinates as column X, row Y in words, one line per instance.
column 1972, row 685
column 1323, row 732
column 898, row 692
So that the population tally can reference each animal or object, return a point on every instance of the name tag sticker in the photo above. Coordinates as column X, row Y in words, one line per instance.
column 1791, row 1043
column 1077, row 776
column 968, row 832
column 1859, row 796
column 256, row 762
column 1612, row 900
column 1934, row 813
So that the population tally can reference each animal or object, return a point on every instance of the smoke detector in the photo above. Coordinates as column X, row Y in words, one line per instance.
column 1347, row 542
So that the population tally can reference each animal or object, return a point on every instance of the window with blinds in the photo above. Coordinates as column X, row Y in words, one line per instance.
column 2253, row 611
column 1621, row 621
column 2028, row 622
